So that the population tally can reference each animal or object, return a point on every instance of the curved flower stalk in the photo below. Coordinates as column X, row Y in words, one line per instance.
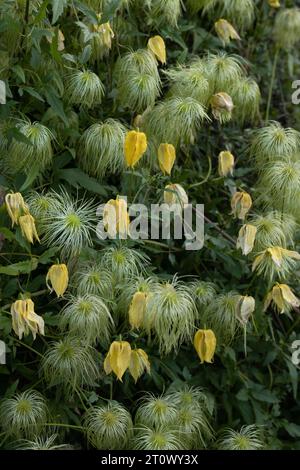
column 156, row 411
column 274, row 141
column 69, row 364
column 108, row 426
column 247, row 438
column 41, row 443
column 189, row 82
column 287, row 27
column 246, row 98
column 92, row 278
column 273, row 229
column 35, row 157
column 101, row 148
column 223, row 71
column 175, row 120
column 87, row 317
column 221, row 316
column 280, row 181
column 24, row 414
column 142, row 85
column 282, row 297
column 124, row 262
column 275, row 261
column 68, row 224
column 84, row 88
column 170, row 315
column 162, row 438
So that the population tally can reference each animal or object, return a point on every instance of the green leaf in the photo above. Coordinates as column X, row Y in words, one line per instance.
column 19, row 72
column 33, row 93
column 86, row 54
column 47, row 256
column 8, row 234
column 56, row 105
column 58, row 7
column 30, row 178
column 77, row 177
column 23, row 267
column 293, row 429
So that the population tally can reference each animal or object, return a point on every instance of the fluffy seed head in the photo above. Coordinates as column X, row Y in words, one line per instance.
column 85, row 89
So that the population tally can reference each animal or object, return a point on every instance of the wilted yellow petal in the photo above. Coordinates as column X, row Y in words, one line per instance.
column 175, row 194
column 28, row 228
column 246, row 238
column 137, row 309
column 245, row 308
column 157, row 46
column 288, row 296
column 118, row 358
column 225, row 31
column 221, row 102
column 278, row 298
column 15, row 206
column 241, row 203
column 135, row 146
column 166, row 157
column 205, row 345
column 59, row 277
column 24, row 319
column 226, row 163
column 276, row 253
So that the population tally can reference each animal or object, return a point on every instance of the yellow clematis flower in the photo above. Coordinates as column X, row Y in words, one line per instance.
column 283, row 298
column 225, row 31
column 246, row 238
column 137, row 310
column 157, row 46
column 275, row 260
column 116, row 218
column 59, row 277
column 205, row 344
column 15, row 206
column 241, row 203
column 274, row 3
column 221, row 102
column 24, row 319
column 245, row 307
column 135, row 146
column 226, row 163
column 27, row 224
column 175, row 194
column 118, row 358
column 166, row 157
column 139, row 363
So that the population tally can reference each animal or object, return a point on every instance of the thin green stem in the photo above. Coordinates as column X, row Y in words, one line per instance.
column 28, row 347
column 275, row 61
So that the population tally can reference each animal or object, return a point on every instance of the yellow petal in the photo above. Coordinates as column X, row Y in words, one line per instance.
column 119, row 357
column 278, row 298
column 59, row 277
column 246, row 238
column 157, row 46
column 166, row 157
column 245, row 308
column 205, row 345
column 135, row 146
column 225, row 31
column 289, row 296
column 15, row 206
column 138, row 363
column 226, row 163
column 137, row 309
column 28, row 229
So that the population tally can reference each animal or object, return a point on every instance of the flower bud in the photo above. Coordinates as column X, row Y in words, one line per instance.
column 226, row 163
column 15, row 206
column 118, row 358
column 59, row 278
column 157, row 46
column 28, row 228
column 166, row 157
column 225, row 31
column 241, row 203
column 137, row 310
column 205, row 344
column 135, row 146
column 246, row 238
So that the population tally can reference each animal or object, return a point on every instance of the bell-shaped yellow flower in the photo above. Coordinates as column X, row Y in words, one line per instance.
column 246, row 238
column 157, row 46
column 226, row 163
column 24, row 319
column 166, row 157
column 15, row 206
column 115, row 217
column 274, row 3
column 139, row 363
column 118, row 358
column 221, row 102
column 106, row 33
column 205, row 344
column 59, row 277
column 276, row 254
column 175, row 194
column 245, row 307
column 241, row 203
column 225, row 31
column 137, row 310
column 135, row 146
column 27, row 224
column 283, row 298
